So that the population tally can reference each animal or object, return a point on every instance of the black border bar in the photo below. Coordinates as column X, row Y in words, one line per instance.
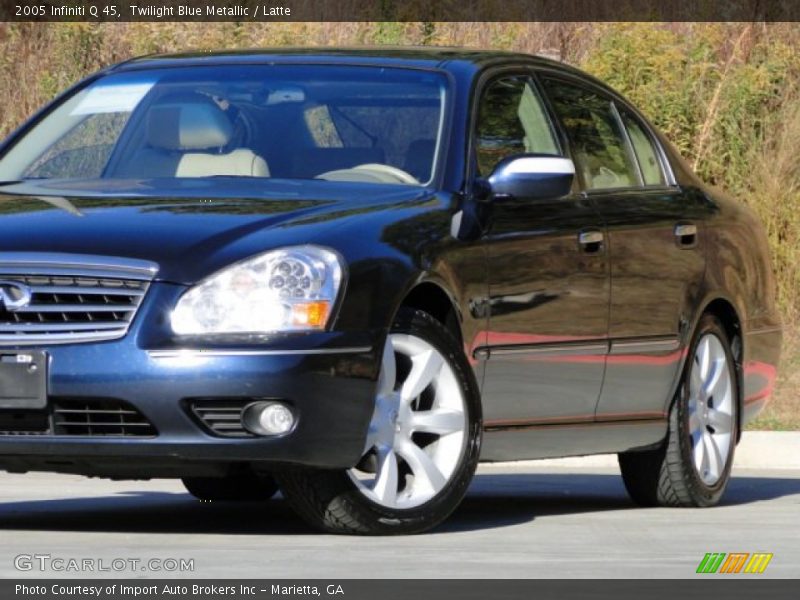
column 700, row 588
column 399, row 10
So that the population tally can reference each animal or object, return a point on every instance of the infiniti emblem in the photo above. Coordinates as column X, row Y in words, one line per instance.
column 14, row 295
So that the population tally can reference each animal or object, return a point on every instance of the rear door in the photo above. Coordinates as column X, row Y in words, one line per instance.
column 653, row 243
column 548, row 276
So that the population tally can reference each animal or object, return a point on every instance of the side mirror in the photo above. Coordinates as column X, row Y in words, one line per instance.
column 532, row 176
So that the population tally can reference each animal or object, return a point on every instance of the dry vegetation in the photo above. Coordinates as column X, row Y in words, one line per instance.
column 728, row 95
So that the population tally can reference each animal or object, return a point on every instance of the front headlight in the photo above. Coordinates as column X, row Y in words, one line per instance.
column 289, row 289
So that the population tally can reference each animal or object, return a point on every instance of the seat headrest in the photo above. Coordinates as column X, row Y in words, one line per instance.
column 187, row 122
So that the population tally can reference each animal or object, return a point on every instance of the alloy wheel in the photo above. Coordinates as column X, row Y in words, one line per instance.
column 711, row 398
column 417, row 435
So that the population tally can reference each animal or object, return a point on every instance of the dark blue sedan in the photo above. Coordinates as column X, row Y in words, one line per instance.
column 353, row 274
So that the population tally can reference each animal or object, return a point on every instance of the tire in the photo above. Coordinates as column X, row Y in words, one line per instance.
column 246, row 487
column 394, row 490
column 685, row 471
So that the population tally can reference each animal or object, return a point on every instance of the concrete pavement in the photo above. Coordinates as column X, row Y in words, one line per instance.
column 517, row 521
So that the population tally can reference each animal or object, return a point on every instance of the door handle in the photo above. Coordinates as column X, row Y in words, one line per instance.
column 591, row 241
column 686, row 234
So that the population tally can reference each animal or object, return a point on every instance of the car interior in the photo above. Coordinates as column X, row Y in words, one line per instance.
column 177, row 126
column 191, row 137
column 199, row 134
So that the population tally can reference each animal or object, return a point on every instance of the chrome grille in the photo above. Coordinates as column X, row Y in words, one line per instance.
column 71, row 299
column 71, row 309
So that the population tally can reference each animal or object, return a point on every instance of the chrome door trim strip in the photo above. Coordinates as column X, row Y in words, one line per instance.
column 481, row 353
column 490, row 427
column 594, row 348
column 582, row 348
column 644, row 345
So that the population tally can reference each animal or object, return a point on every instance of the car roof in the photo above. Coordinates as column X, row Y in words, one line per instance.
column 465, row 64
column 446, row 58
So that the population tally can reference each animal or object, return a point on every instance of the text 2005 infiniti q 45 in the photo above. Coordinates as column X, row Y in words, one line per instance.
column 353, row 274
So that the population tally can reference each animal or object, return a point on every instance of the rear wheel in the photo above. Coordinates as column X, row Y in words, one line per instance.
column 422, row 446
column 693, row 466
column 234, row 488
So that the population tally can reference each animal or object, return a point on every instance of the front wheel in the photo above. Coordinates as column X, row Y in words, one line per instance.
column 693, row 465
column 422, row 445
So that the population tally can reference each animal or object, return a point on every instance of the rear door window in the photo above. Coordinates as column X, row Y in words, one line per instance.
column 600, row 147
column 645, row 150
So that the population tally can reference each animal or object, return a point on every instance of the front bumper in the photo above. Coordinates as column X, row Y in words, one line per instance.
column 328, row 378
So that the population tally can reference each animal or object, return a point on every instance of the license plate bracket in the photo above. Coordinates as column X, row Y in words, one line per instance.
column 23, row 379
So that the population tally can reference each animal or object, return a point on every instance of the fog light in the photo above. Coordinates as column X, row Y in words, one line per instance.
column 268, row 418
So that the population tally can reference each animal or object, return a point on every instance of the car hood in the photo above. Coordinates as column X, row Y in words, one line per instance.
column 190, row 231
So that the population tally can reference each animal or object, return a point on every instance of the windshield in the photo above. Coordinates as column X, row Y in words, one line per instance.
column 335, row 123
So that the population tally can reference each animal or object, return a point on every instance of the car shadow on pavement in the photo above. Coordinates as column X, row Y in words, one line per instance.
column 501, row 500
column 143, row 511
column 506, row 499
column 494, row 501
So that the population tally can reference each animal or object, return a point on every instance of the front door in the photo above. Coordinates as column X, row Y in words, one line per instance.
column 548, row 278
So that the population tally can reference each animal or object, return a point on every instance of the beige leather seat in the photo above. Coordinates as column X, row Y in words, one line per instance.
column 241, row 162
column 197, row 129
